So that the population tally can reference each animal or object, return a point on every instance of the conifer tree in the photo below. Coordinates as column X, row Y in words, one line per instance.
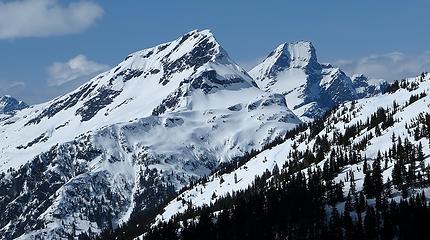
column 397, row 174
column 377, row 179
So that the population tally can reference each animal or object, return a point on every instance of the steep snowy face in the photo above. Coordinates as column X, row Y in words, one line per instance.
column 131, row 137
column 193, row 63
column 336, row 85
column 9, row 104
column 299, row 56
column 310, row 88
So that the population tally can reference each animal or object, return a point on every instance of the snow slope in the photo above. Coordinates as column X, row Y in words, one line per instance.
column 347, row 115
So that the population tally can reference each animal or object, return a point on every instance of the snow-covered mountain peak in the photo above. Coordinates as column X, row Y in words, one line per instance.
column 301, row 53
column 9, row 104
column 194, row 53
column 156, row 79
column 191, row 73
column 287, row 55
column 200, row 43
column 310, row 87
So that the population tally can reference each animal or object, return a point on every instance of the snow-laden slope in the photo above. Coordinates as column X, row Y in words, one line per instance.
column 407, row 115
column 130, row 137
column 228, row 183
column 310, row 88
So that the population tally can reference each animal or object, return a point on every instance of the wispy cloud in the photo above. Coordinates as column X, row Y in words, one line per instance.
column 10, row 87
column 74, row 69
column 390, row 66
column 41, row 18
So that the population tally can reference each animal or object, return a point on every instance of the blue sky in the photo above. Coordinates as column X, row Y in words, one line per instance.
column 60, row 44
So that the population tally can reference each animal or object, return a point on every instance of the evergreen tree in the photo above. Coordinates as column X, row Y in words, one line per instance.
column 420, row 153
column 377, row 178
column 335, row 225
column 370, row 223
column 348, row 225
column 397, row 174
column 368, row 186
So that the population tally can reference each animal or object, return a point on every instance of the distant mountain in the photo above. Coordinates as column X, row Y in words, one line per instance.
column 310, row 88
column 365, row 87
column 9, row 104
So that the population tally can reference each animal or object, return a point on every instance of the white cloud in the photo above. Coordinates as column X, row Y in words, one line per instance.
column 11, row 87
column 74, row 69
column 8, row 85
column 390, row 66
column 41, row 18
